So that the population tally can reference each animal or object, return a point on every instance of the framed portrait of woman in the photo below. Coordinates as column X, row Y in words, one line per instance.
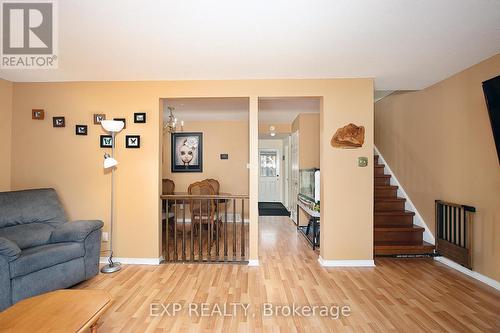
column 187, row 152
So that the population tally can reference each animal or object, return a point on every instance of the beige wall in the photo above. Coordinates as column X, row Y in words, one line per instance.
column 5, row 133
column 280, row 128
column 46, row 156
column 219, row 137
column 346, row 189
column 439, row 143
column 309, row 137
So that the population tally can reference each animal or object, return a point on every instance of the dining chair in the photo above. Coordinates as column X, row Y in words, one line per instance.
column 202, row 210
column 215, row 184
column 168, row 188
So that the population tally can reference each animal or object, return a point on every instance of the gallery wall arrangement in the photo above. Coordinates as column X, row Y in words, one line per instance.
column 132, row 141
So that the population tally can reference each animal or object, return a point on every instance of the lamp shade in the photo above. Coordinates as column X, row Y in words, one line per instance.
column 112, row 125
column 109, row 162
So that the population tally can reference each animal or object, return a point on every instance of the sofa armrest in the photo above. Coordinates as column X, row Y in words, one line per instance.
column 9, row 250
column 75, row 231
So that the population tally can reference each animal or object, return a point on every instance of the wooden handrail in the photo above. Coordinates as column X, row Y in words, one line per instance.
column 193, row 196
column 467, row 208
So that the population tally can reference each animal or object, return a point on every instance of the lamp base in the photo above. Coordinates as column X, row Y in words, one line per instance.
column 111, row 268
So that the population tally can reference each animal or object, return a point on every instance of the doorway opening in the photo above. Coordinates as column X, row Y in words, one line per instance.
column 205, row 180
column 282, row 123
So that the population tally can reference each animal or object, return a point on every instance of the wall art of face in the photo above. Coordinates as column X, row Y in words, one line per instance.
column 187, row 150
column 186, row 154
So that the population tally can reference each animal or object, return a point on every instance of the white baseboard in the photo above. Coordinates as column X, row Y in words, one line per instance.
column 418, row 219
column 133, row 261
column 473, row 274
column 253, row 262
column 346, row 263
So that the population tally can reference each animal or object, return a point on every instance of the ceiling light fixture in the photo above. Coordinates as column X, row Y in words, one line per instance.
column 171, row 124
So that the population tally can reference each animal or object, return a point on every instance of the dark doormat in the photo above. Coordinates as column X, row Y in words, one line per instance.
column 272, row 209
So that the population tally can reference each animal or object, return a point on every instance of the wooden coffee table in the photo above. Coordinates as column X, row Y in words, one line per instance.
column 58, row 311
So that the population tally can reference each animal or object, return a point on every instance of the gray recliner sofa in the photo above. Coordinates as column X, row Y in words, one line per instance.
column 40, row 250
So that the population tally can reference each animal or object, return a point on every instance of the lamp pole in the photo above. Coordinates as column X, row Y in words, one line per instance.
column 112, row 267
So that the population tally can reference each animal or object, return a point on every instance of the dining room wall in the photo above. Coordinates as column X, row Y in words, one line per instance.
column 219, row 137
column 5, row 133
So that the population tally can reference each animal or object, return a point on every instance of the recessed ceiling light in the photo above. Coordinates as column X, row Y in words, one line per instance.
column 272, row 128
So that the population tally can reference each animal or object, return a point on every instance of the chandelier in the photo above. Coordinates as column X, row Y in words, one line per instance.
column 170, row 124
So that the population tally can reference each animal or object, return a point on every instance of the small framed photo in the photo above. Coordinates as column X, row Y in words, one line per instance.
column 106, row 141
column 58, row 122
column 140, row 117
column 37, row 114
column 98, row 117
column 81, row 129
column 124, row 121
column 132, row 141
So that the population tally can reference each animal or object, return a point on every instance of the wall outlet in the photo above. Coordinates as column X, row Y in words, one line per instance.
column 105, row 237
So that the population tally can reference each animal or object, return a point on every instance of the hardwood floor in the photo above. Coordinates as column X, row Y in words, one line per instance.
column 399, row 295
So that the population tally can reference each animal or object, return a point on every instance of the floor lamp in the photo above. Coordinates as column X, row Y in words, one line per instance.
column 113, row 127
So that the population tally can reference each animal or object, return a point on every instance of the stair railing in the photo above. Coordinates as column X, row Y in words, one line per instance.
column 454, row 224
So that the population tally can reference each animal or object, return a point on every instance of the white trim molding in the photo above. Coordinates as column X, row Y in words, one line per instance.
column 133, row 261
column 418, row 219
column 346, row 263
column 473, row 274
column 253, row 262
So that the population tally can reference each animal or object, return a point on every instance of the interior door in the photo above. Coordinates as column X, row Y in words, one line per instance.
column 294, row 175
column 269, row 175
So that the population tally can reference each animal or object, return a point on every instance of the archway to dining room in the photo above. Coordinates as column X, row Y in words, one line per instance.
column 205, row 179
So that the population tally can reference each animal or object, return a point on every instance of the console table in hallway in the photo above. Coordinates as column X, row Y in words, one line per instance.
column 313, row 224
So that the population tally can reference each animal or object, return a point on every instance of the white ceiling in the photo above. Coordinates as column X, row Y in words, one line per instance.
column 403, row 44
column 271, row 110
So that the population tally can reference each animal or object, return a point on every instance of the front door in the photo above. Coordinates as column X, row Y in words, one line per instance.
column 269, row 175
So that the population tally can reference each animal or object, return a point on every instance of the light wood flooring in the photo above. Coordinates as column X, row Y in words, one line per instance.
column 398, row 295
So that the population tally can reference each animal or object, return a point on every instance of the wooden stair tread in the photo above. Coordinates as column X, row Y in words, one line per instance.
column 394, row 212
column 389, row 228
column 384, row 245
column 381, row 187
column 390, row 199
column 382, row 176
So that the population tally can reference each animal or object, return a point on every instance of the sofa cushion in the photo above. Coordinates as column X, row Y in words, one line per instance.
column 28, row 235
column 39, row 257
column 9, row 249
column 31, row 206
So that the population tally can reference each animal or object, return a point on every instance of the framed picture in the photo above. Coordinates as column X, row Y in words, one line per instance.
column 132, row 141
column 81, row 129
column 187, row 152
column 140, row 117
column 58, row 122
column 98, row 117
column 106, row 141
column 37, row 114
column 124, row 121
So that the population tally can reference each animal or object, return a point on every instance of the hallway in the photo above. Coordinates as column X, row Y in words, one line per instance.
column 400, row 295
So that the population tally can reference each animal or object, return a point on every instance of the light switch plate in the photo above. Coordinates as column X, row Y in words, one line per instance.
column 362, row 162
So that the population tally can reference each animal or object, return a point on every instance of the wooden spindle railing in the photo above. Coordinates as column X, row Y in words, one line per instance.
column 213, row 229
column 454, row 225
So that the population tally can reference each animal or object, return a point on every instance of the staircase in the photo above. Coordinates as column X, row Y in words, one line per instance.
column 394, row 231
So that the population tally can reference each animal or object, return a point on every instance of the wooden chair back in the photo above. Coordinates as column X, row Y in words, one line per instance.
column 215, row 184
column 202, row 188
column 168, row 186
